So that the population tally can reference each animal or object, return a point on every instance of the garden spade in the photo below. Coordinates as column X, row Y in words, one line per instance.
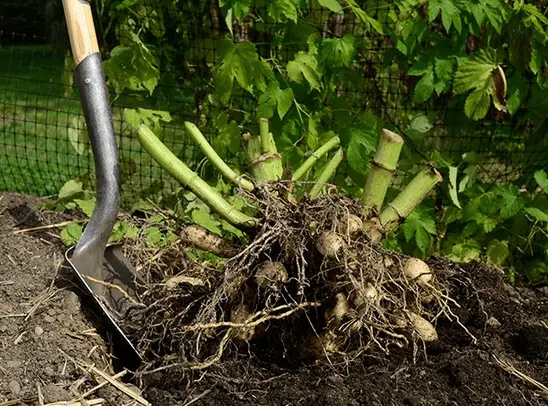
column 105, row 273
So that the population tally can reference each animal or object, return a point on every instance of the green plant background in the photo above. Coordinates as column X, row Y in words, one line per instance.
column 429, row 70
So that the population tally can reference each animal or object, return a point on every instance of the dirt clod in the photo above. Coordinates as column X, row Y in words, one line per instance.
column 532, row 342
column 55, row 393
column 14, row 387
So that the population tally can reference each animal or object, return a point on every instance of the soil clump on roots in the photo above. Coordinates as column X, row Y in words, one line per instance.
column 309, row 285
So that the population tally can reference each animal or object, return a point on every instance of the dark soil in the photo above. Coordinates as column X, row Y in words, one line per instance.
column 42, row 319
column 508, row 323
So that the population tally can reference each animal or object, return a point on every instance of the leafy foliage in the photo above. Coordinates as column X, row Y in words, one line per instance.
column 484, row 59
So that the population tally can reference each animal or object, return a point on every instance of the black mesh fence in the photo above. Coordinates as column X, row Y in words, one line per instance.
column 42, row 135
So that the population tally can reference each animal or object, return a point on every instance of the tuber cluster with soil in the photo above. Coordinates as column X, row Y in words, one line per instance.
column 311, row 279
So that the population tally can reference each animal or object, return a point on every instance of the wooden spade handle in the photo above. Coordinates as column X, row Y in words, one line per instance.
column 83, row 38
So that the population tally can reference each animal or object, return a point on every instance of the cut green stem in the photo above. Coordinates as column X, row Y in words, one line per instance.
column 409, row 198
column 264, row 134
column 264, row 161
column 382, row 171
column 327, row 173
column 312, row 159
column 215, row 159
column 168, row 161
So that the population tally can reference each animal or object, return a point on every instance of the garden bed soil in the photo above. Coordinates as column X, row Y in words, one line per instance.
column 46, row 325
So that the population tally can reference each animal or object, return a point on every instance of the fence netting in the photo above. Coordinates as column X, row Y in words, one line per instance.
column 42, row 130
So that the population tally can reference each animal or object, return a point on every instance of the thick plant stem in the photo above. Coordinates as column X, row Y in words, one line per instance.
column 409, row 198
column 327, row 173
column 253, row 154
column 264, row 161
column 263, row 133
column 215, row 159
column 270, row 157
column 312, row 159
column 382, row 171
column 168, row 161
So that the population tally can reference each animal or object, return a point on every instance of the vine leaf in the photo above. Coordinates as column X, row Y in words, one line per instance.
column 537, row 214
column 338, row 52
column 363, row 140
column 151, row 118
column 71, row 233
column 425, row 86
column 450, row 14
column 420, row 225
column 132, row 67
column 280, row 10
column 369, row 21
column 482, row 75
column 490, row 9
column 237, row 8
column 497, row 252
column 240, row 62
column 304, row 67
column 273, row 98
column 332, row 5
column 511, row 203
column 453, row 191
column 78, row 136
column 542, row 180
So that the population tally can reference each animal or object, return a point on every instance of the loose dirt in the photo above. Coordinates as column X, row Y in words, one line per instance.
column 45, row 326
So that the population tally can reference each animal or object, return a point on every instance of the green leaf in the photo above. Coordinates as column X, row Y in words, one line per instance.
column 238, row 8
column 70, row 189
column 477, row 105
column 130, row 230
column 535, row 64
column 304, row 67
column 443, row 69
column 241, row 63
column 542, row 180
column 450, row 14
column 71, row 234
column 204, row 220
column 132, row 67
column 368, row 21
column 537, row 214
column 536, row 270
column 275, row 97
column 420, row 225
column 511, row 202
column 425, row 87
column 338, row 52
column 453, row 193
column 492, row 9
column 489, row 224
column 476, row 73
column 153, row 236
column 467, row 251
column 78, row 136
column 86, row 206
column 280, row 10
column 123, row 230
column 151, row 118
column 517, row 90
column 332, row 5
column 497, row 252
column 231, row 229
column 363, row 138
column 420, row 124
column 125, row 4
